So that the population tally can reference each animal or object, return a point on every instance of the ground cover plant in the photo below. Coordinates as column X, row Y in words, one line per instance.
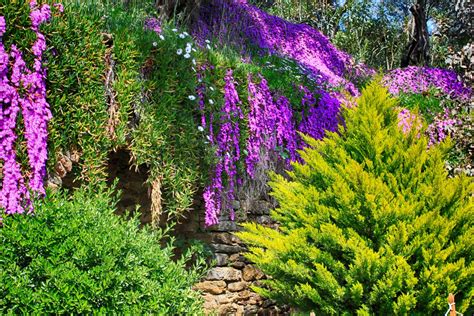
column 370, row 222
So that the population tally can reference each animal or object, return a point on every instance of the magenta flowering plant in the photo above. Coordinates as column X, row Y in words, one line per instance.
column 408, row 120
column 240, row 24
column 442, row 126
column 271, row 126
column 415, row 79
column 153, row 24
column 25, row 91
column 220, row 193
column 320, row 113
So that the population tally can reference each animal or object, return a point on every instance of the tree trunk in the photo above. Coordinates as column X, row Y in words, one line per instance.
column 418, row 50
column 186, row 10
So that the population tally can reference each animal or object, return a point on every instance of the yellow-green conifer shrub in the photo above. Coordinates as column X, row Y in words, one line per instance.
column 370, row 223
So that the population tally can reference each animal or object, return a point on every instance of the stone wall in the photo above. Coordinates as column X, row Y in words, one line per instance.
column 227, row 286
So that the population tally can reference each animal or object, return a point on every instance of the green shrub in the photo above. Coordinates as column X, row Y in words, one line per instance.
column 75, row 256
column 370, row 223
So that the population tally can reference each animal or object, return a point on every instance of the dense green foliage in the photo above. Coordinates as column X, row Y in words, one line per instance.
column 371, row 35
column 75, row 256
column 369, row 223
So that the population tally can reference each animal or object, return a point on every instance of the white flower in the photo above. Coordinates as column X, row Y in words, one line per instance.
column 194, row 62
column 208, row 138
column 211, row 88
column 189, row 44
column 188, row 49
column 211, row 101
column 191, row 97
column 208, row 41
column 186, row 55
column 186, row 33
column 162, row 37
column 181, row 35
column 194, row 50
column 175, row 30
column 199, row 80
column 179, row 51
column 200, row 128
column 208, row 47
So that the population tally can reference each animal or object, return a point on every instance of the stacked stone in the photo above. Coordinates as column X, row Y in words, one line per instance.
column 226, row 288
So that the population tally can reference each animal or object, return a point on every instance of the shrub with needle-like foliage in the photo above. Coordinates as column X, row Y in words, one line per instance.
column 369, row 223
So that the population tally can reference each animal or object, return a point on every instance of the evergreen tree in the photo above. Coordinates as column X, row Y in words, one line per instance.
column 369, row 223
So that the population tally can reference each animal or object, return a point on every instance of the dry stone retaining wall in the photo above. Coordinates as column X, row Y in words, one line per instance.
column 227, row 286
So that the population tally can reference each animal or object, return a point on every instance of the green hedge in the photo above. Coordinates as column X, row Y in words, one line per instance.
column 74, row 256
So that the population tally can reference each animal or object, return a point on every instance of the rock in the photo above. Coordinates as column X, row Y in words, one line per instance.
column 226, row 248
column 251, row 273
column 221, row 259
column 235, row 205
column 225, row 298
column 210, row 302
column 239, row 310
column 226, row 238
column 223, row 226
column 236, row 286
column 260, row 208
column 268, row 303
column 244, row 296
column 265, row 220
column 224, row 273
column 250, row 310
column 226, row 309
column 238, row 265
column 248, row 297
column 236, row 257
column 213, row 287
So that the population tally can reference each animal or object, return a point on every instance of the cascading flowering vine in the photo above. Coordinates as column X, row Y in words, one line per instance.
column 215, row 195
column 25, row 90
column 319, row 116
column 13, row 194
column 270, row 125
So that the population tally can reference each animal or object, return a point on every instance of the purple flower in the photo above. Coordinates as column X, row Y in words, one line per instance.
column 243, row 25
column 216, row 196
column 153, row 24
column 408, row 120
column 415, row 79
column 3, row 26
column 25, row 90
column 319, row 116
column 59, row 6
column 441, row 127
